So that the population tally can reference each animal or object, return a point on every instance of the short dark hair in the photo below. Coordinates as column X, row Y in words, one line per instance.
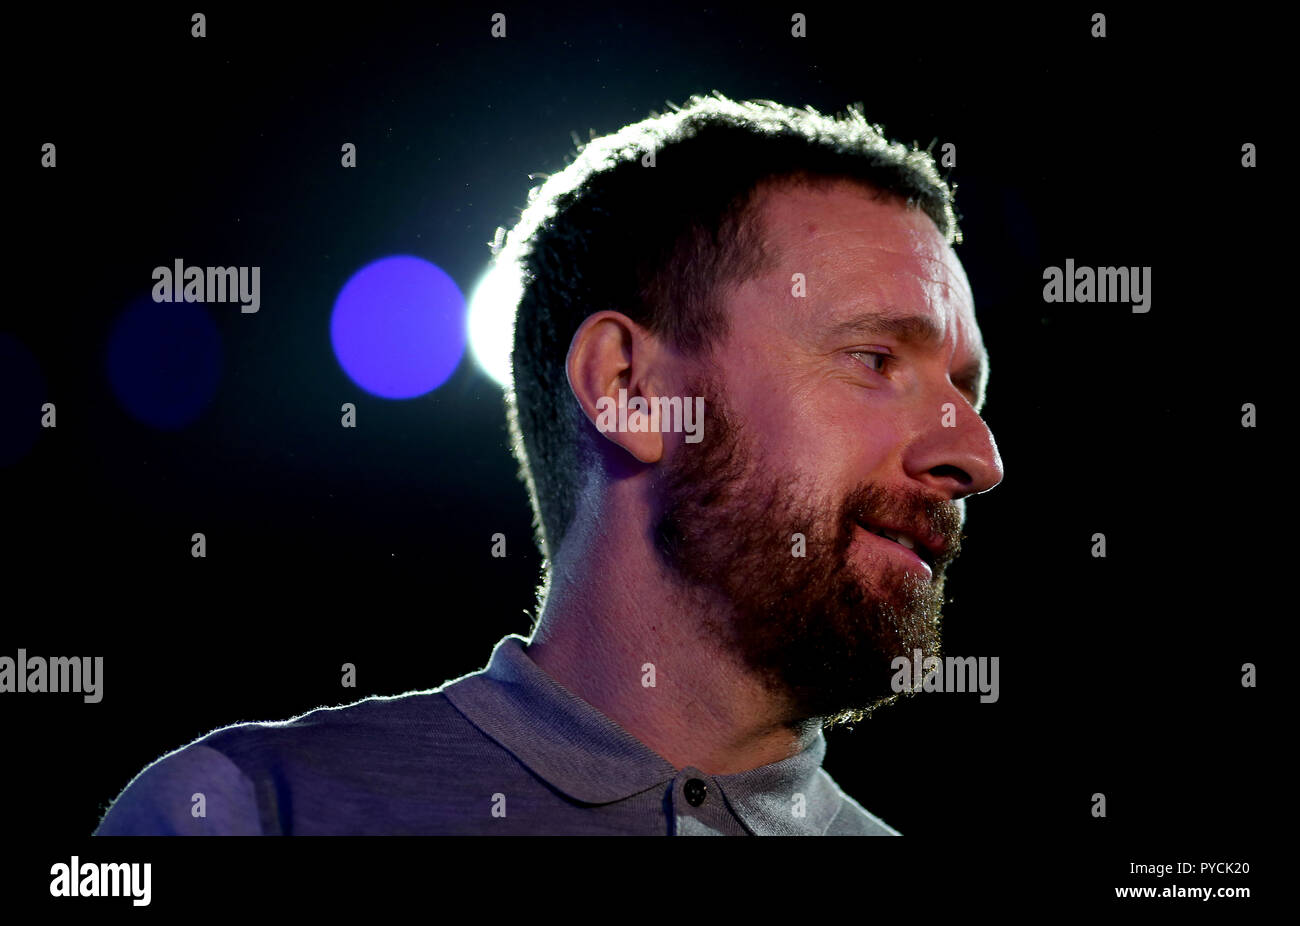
column 653, row 221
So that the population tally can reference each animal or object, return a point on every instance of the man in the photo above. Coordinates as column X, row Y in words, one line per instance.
column 716, row 592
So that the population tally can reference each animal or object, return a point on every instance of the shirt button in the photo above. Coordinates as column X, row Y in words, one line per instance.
column 695, row 791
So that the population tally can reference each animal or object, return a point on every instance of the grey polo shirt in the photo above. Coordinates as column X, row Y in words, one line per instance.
column 503, row 751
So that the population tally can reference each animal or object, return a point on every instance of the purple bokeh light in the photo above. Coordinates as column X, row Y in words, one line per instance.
column 398, row 327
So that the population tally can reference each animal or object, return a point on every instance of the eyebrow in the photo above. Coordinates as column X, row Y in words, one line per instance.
column 923, row 331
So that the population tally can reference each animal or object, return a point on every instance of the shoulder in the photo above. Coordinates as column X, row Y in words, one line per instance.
column 853, row 819
column 235, row 780
column 194, row 790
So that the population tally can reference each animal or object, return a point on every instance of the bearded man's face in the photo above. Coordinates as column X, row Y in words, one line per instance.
column 833, row 419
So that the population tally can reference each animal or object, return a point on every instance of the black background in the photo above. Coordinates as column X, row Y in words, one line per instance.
column 371, row 545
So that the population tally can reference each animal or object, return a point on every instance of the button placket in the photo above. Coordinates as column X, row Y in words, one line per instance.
column 698, row 801
column 696, row 791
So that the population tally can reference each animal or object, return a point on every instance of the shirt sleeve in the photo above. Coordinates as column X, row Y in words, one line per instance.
column 196, row 791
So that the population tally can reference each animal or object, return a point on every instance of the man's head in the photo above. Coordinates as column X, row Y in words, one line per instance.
column 795, row 271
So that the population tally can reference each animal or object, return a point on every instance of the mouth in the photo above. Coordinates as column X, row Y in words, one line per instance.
column 925, row 552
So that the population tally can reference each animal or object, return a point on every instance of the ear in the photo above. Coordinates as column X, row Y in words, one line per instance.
column 612, row 358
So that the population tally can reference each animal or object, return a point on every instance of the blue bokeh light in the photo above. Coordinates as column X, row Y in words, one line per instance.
column 164, row 361
column 398, row 327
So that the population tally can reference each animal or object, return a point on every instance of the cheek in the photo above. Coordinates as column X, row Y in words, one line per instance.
column 813, row 428
column 837, row 448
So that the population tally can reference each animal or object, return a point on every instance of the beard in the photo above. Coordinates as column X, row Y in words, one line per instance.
column 819, row 631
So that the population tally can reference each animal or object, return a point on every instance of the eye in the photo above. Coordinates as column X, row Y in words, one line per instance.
column 880, row 363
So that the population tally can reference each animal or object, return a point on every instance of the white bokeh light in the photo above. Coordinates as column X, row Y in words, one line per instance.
column 491, row 320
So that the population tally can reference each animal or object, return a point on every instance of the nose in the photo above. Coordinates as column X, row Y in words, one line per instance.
column 954, row 452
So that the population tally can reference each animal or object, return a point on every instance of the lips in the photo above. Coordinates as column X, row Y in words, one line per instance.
column 929, row 547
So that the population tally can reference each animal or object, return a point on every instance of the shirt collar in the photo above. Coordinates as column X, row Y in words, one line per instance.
column 588, row 757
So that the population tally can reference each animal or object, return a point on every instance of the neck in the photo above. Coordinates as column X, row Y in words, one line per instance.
column 615, row 621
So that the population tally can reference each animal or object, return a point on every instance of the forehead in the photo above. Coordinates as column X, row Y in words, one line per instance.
column 859, row 253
